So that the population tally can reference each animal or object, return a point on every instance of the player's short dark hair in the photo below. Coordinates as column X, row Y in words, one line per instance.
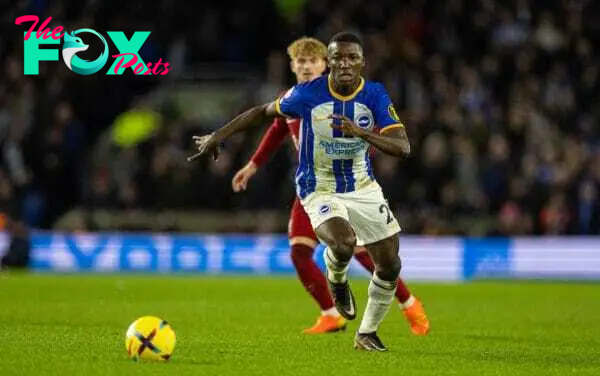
column 346, row 37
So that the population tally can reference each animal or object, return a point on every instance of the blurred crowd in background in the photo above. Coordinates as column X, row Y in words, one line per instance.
column 501, row 100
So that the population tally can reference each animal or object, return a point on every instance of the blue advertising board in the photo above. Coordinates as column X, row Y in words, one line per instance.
column 423, row 258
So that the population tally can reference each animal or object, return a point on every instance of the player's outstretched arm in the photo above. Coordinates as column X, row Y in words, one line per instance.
column 209, row 144
column 392, row 141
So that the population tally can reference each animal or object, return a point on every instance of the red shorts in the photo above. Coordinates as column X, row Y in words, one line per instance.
column 299, row 224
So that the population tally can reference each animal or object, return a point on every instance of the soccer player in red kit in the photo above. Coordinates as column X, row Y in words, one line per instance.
column 308, row 61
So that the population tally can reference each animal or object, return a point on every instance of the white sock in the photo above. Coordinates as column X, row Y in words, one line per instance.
column 337, row 270
column 381, row 295
column 330, row 312
column 407, row 303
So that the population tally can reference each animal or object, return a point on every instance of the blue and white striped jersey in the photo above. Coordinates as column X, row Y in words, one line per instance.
column 330, row 162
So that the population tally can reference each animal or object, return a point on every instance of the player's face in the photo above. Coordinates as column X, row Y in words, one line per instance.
column 346, row 61
column 307, row 68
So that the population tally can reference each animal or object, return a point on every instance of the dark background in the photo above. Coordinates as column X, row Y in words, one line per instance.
column 500, row 100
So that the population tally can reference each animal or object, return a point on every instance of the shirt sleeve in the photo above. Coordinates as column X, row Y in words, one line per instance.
column 291, row 103
column 270, row 142
column 386, row 117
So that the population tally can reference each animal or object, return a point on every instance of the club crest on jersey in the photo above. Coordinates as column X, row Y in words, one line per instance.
column 324, row 209
column 392, row 112
column 364, row 121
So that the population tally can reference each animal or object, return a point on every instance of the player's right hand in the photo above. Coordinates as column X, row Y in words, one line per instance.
column 241, row 178
column 207, row 145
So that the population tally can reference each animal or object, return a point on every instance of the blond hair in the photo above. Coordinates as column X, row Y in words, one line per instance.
column 307, row 46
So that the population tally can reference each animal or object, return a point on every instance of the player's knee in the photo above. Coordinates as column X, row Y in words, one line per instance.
column 343, row 246
column 391, row 270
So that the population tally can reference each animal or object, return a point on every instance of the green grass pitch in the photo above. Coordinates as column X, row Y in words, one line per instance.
column 75, row 325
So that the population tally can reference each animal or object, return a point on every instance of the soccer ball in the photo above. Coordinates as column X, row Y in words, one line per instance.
column 150, row 338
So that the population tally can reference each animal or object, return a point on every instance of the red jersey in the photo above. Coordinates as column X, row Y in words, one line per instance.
column 272, row 140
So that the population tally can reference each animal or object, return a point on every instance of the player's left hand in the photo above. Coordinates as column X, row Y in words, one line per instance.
column 207, row 145
column 347, row 126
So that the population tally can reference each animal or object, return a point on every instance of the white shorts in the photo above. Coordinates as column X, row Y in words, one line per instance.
column 366, row 210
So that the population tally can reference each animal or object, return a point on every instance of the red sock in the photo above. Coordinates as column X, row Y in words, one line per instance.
column 310, row 275
column 402, row 292
column 365, row 261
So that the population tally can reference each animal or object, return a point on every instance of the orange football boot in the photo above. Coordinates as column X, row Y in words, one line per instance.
column 327, row 324
column 415, row 314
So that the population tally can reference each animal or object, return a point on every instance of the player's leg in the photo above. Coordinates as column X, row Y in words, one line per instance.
column 403, row 294
column 377, row 229
column 381, row 292
column 411, row 306
column 340, row 239
column 329, row 218
column 303, row 242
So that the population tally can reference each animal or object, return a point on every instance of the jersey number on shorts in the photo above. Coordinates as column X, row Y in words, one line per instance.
column 383, row 209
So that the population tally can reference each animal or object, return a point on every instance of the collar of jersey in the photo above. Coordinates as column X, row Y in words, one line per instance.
column 342, row 97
